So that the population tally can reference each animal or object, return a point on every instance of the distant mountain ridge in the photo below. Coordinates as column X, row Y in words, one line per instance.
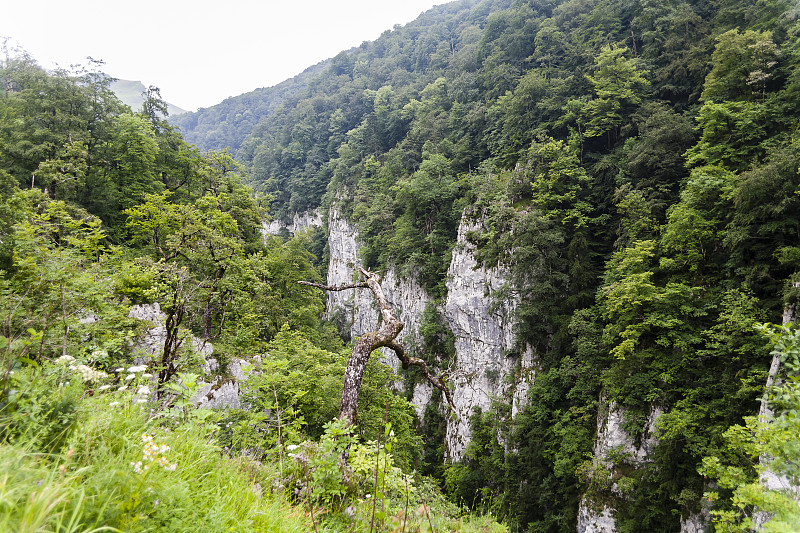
column 228, row 123
column 130, row 92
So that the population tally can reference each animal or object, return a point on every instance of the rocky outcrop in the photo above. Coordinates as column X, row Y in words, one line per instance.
column 613, row 447
column 612, row 439
column 592, row 520
column 699, row 522
column 355, row 310
column 224, row 392
column 482, row 326
column 152, row 340
column 769, row 478
column 216, row 391
column 300, row 222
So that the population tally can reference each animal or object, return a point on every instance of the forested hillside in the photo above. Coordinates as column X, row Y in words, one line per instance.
column 634, row 168
column 228, row 123
column 634, row 165
column 135, row 284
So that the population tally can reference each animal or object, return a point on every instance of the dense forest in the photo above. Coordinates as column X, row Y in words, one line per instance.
column 116, row 233
column 634, row 166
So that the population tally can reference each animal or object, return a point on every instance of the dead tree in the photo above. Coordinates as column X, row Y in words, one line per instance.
column 385, row 336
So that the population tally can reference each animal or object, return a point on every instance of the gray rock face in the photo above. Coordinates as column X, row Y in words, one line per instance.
column 355, row 309
column 697, row 523
column 769, row 478
column 152, row 342
column 218, row 395
column 300, row 222
column 591, row 520
column 613, row 441
column 483, row 333
column 217, row 392
column 483, row 330
column 224, row 393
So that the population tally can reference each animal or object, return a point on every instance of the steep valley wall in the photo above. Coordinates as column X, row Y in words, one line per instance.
column 482, row 327
column 488, row 364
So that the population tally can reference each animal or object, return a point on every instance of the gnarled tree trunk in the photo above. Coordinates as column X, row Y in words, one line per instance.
column 384, row 337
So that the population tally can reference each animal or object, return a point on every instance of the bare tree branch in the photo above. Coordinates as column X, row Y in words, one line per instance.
column 334, row 288
column 385, row 336
column 436, row 381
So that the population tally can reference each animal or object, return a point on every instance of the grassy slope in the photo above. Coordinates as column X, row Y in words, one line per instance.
column 73, row 460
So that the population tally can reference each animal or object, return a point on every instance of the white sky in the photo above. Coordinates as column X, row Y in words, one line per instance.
column 199, row 52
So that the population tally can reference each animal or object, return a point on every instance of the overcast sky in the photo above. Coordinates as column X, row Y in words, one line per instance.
column 199, row 52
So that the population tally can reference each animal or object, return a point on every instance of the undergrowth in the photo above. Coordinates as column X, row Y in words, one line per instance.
column 78, row 456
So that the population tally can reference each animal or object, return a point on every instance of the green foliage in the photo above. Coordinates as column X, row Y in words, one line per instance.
column 563, row 129
column 38, row 408
column 619, row 84
column 114, row 467
column 104, row 476
column 744, row 65
column 58, row 287
column 301, row 385
column 763, row 454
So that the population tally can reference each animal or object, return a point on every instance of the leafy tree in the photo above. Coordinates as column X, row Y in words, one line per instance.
column 763, row 457
column 744, row 65
column 194, row 247
column 619, row 83
column 57, row 295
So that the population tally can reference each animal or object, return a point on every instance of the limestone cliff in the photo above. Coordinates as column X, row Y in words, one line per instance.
column 300, row 222
column 613, row 448
column 616, row 451
column 482, row 326
column 770, row 479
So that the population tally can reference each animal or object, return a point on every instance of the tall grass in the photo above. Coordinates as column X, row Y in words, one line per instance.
column 74, row 462
column 91, row 484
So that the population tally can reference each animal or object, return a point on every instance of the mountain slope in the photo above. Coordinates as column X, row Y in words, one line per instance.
column 131, row 94
column 228, row 123
column 631, row 167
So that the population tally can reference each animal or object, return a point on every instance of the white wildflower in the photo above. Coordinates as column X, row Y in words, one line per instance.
column 138, row 368
column 89, row 374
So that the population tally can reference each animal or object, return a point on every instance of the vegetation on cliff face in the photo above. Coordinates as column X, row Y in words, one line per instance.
column 634, row 165
column 102, row 209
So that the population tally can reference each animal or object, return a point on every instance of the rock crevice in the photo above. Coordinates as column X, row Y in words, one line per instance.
column 483, row 328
